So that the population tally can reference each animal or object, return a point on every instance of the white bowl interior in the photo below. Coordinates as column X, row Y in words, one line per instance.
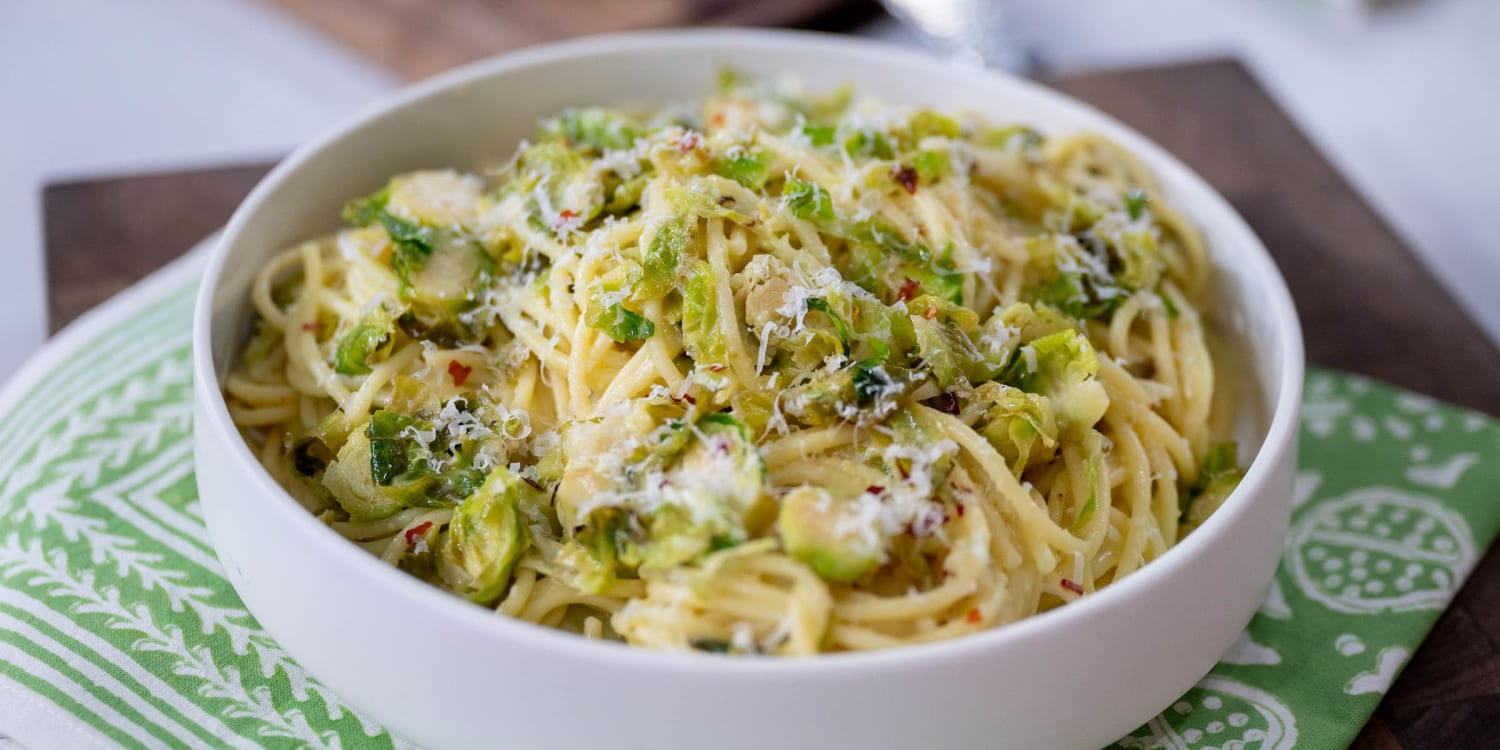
column 482, row 112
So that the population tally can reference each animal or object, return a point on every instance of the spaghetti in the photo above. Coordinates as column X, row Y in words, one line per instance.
column 777, row 374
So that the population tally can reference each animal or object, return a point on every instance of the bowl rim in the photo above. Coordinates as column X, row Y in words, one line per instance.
column 213, row 415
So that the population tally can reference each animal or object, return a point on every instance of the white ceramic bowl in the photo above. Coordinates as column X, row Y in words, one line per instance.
column 449, row 674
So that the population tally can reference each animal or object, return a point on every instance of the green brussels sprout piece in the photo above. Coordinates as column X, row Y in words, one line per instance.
column 1110, row 261
column 828, row 535
column 1062, row 366
column 1094, row 444
column 881, row 331
column 362, row 212
column 720, row 474
column 1139, row 258
column 1081, row 296
column 828, row 397
column 348, row 480
column 839, row 326
column 484, row 538
column 711, row 645
column 592, row 128
column 700, row 317
column 818, row 135
column 404, row 468
column 931, row 166
column 661, row 257
column 754, row 408
column 367, row 343
column 674, row 538
column 263, row 342
column 872, row 382
column 1033, row 322
column 625, row 195
column 440, row 272
column 393, row 449
column 1168, row 305
column 807, row 200
column 1012, row 137
column 595, row 552
column 945, row 351
column 881, row 235
column 697, row 200
column 413, row 244
column 864, row 142
column 749, row 169
column 624, row 326
column 885, row 265
column 310, row 453
column 1221, row 473
column 1020, row 425
column 927, row 123
column 558, row 186
column 581, row 475
column 1136, row 201
column 711, row 485
column 913, row 427
column 439, row 199
column 446, row 282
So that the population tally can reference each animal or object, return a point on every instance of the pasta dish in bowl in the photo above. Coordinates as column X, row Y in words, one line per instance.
column 767, row 374
column 755, row 369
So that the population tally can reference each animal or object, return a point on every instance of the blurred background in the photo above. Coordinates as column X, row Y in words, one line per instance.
column 1403, row 97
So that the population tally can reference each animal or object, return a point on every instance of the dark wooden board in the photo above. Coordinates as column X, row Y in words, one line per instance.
column 104, row 235
column 1346, row 269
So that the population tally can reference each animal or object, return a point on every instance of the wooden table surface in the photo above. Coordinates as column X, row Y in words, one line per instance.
column 1366, row 304
column 415, row 39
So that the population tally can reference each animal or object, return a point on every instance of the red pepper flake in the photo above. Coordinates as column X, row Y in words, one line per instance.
column 931, row 313
column 688, row 142
column 1073, row 587
column 458, row 372
column 417, row 532
column 717, row 368
column 313, row 326
column 909, row 289
column 564, row 218
column 874, row 489
column 947, row 403
column 960, row 509
column 718, row 119
column 688, row 397
column 906, row 176
column 975, row 616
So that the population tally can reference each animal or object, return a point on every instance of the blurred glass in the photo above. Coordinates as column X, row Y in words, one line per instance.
column 978, row 32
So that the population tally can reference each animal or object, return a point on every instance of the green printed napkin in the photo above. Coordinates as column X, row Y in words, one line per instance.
column 117, row 626
column 1396, row 499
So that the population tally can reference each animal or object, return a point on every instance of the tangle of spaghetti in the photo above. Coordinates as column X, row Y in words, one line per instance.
column 774, row 374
